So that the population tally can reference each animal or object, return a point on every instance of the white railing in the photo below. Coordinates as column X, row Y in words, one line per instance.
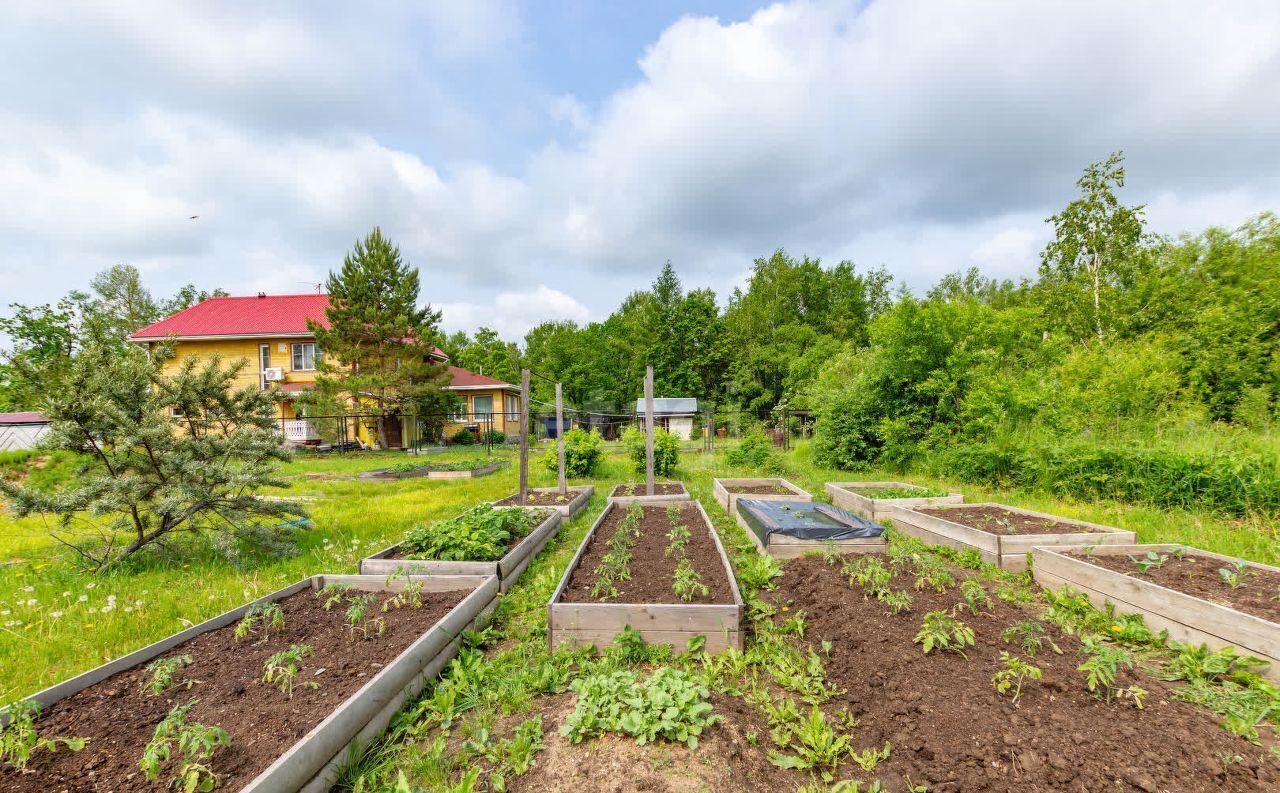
column 299, row 430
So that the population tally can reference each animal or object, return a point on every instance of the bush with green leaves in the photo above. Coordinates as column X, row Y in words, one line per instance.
column 756, row 451
column 666, row 450
column 583, row 451
column 668, row 704
column 463, row 437
column 481, row 534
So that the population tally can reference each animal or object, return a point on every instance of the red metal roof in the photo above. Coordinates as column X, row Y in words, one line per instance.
column 267, row 315
column 296, row 386
column 241, row 316
column 465, row 379
column 24, row 417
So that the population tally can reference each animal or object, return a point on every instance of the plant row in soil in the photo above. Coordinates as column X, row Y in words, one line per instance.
column 945, row 722
column 1243, row 588
column 539, row 498
column 223, row 680
column 651, row 569
column 998, row 520
column 640, row 489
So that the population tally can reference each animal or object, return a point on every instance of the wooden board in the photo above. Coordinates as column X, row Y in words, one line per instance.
column 507, row 569
column 728, row 499
column 659, row 623
column 625, row 501
column 1187, row 618
column 1008, row 551
column 878, row 509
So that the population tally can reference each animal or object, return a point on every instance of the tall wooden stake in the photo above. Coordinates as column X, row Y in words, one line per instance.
column 648, row 430
column 524, row 437
column 564, row 486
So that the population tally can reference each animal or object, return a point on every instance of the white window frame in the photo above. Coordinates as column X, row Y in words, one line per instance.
column 460, row 415
column 475, row 408
column 298, row 351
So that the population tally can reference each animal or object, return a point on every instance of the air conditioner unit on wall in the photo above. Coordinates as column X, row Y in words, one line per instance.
column 273, row 374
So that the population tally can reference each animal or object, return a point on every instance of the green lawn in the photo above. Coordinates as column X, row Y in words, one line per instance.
column 56, row 621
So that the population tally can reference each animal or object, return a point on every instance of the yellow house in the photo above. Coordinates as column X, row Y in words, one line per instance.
column 270, row 332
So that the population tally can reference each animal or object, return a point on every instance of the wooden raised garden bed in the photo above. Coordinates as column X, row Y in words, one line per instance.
column 507, row 569
column 770, row 535
column 1185, row 594
column 728, row 491
column 664, row 493
column 581, row 611
column 1003, row 535
column 860, row 498
column 550, row 498
column 348, row 688
column 431, row 471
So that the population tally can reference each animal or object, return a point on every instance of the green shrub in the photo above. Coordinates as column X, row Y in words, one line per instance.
column 493, row 437
column 666, row 450
column 583, row 452
column 755, row 451
column 463, row 437
column 478, row 535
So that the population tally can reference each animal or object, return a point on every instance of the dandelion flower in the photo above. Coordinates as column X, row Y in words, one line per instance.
column 128, row 609
column 55, row 614
column 66, row 594
column 5, row 613
column 90, row 585
column 32, row 602
column 83, row 598
column 28, row 589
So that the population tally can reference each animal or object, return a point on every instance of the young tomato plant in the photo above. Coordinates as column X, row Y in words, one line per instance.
column 975, row 596
column 1102, row 666
column 687, row 583
column 615, row 565
column 162, row 671
column 1031, row 635
column 1014, row 673
column 18, row 738
column 195, row 743
column 264, row 615
column 281, row 669
column 358, row 616
column 943, row 632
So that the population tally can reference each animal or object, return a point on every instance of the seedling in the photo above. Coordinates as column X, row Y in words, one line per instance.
column 196, row 745
column 686, row 582
column 162, row 671
column 815, row 747
column 934, row 575
column 616, row 563
column 868, row 759
column 1151, row 561
column 1102, row 666
column 409, row 595
column 333, row 594
column 281, row 669
column 975, row 596
column 264, row 615
column 868, row 573
column 897, row 602
column 759, row 571
column 795, row 625
column 679, row 538
column 943, row 632
column 1235, row 575
column 1031, row 635
column 357, row 613
column 18, row 739
column 1015, row 672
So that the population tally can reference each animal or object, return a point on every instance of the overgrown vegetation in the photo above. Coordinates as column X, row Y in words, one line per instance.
column 481, row 534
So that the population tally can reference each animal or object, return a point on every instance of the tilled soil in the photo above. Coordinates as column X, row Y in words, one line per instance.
column 659, row 489
column 998, row 520
column 540, row 498
column 120, row 718
column 652, row 570
column 951, row 731
column 1198, row 576
column 761, row 490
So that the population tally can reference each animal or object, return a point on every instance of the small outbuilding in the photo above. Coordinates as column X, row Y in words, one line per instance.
column 675, row 415
column 21, row 430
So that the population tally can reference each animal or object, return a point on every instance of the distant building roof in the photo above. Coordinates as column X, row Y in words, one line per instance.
column 463, row 378
column 23, row 417
column 670, row 406
column 262, row 315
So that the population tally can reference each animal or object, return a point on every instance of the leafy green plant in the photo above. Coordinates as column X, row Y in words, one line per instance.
column 758, row 570
column 869, row 573
column 666, row 450
column 941, row 631
column 583, row 451
column 615, row 565
column 358, row 616
column 409, row 594
column 18, row 738
column 678, row 537
column 162, row 672
column 1151, row 561
column 868, row 759
column 1013, row 674
column 480, row 534
column 333, row 594
column 975, row 597
column 281, row 669
column 935, row 575
column 1101, row 666
column 756, row 451
column 888, row 492
column 195, row 744
column 668, row 704
column 1031, row 635
column 813, row 745
column 686, row 582
column 1236, row 575
column 897, row 602
column 264, row 615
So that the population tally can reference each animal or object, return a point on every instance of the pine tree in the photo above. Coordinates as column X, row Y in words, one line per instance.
column 377, row 347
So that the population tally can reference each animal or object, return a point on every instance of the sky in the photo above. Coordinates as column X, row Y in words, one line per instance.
column 542, row 160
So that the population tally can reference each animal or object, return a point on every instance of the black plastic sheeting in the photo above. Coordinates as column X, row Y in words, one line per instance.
column 805, row 521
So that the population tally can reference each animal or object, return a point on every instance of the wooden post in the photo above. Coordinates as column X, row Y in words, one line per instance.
column 564, row 486
column 524, row 437
column 648, row 430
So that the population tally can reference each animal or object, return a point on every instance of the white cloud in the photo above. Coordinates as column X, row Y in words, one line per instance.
column 512, row 313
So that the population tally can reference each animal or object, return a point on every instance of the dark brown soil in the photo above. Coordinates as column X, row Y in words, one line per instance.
column 652, row 570
column 1198, row 576
column 540, row 498
column 999, row 520
column 762, row 490
column 120, row 718
column 951, row 731
column 659, row 489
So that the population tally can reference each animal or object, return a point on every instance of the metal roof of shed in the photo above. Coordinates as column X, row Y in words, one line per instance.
column 670, row 406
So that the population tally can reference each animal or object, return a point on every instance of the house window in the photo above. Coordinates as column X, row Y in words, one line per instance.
column 177, row 412
column 460, row 415
column 305, row 356
column 513, row 407
column 482, row 406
